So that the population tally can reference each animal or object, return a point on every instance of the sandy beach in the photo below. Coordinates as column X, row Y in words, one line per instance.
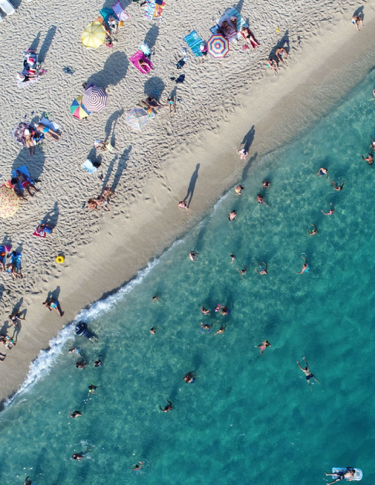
column 223, row 102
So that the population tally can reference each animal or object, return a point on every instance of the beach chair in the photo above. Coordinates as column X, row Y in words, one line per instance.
column 7, row 7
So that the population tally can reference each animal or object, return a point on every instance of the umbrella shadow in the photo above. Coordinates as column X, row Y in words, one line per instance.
column 151, row 36
column 154, row 87
column 114, row 70
column 248, row 139
column 47, row 43
column 111, row 125
column 191, row 188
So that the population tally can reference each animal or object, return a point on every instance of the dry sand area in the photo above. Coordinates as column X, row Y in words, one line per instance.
column 222, row 102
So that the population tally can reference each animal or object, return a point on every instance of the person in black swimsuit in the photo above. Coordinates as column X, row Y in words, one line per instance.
column 306, row 371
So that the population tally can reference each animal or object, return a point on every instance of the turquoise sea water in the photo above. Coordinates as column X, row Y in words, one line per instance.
column 248, row 418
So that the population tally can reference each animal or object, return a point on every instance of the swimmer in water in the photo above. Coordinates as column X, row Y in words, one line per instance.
column 73, row 351
column 242, row 271
column 224, row 311
column 92, row 389
column 232, row 258
column 77, row 456
column 167, row 408
column 308, row 374
column 336, row 186
column 369, row 159
column 27, row 481
column 323, row 171
column 81, row 364
column 305, row 267
column 156, row 298
column 75, row 414
column 263, row 346
column 266, row 184
column 221, row 330
column 314, row 231
column 138, row 467
column 372, row 142
column 232, row 215
column 262, row 268
column 330, row 212
column 204, row 311
column 193, row 256
column 98, row 363
column 190, row 377
column 205, row 326
column 260, row 200
column 153, row 330
column 239, row 189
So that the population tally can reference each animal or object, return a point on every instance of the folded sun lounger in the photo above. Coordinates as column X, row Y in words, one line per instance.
column 194, row 42
column 7, row 7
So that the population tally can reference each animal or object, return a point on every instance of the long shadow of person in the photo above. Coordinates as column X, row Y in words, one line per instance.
column 248, row 139
column 47, row 43
column 52, row 216
column 36, row 167
column 248, row 165
column 35, row 43
column 239, row 6
column 151, row 36
column 359, row 12
column 110, row 126
column 114, row 70
column 109, row 172
column 121, row 166
column 192, row 183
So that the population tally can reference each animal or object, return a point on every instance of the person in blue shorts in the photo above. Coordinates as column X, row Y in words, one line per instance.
column 305, row 267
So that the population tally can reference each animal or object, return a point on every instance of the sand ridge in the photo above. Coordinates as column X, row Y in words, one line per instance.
column 220, row 101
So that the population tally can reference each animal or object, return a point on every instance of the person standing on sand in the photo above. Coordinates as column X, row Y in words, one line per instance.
column 52, row 304
column 308, row 374
column 242, row 153
column 183, row 205
column 357, row 20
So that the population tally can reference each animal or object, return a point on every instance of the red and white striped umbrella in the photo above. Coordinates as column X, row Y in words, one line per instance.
column 94, row 98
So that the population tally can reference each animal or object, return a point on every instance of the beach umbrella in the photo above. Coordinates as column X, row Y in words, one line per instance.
column 94, row 35
column 218, row 46
column 137, row 117
column 9, row 202
column 78, row 110
column 94, row 98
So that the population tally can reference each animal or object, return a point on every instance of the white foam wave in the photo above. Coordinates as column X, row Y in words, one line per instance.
column 42, row 365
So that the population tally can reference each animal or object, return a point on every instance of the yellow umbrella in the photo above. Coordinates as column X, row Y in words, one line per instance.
column 94, row 35
column 9, row 202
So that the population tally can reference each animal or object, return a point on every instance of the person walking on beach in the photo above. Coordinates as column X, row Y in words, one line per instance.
column 323, row 171
column 243, row 153
column 263, row 346
column 262, row 268
column 314, row 231
column 183, row 205
column 52, row 304
column 337, row 187
column 330, row 212
column 232, row 215
column 167, row 408
column 306, row 371
column 357, row 20
column 305, row 267
column 369, row 159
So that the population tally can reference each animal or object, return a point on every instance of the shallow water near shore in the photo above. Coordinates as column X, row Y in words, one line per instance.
column 248, row 418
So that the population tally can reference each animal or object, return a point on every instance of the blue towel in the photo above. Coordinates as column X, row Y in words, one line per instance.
column 22, row 169
column 194, row 42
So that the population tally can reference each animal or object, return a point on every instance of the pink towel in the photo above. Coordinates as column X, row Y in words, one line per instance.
column 145, row 68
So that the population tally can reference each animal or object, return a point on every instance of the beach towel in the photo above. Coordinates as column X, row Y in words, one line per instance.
column 194, row 42
column 39, row 232
column 232, row 30
column 154, row 9
column 139, row 55
column 120, row 12
column 89, row 166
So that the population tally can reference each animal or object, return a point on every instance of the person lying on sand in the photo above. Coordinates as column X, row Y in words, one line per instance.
column 52, row 304
column 30, row 142
column 281, row 53
column 26, row 182
column 249, row 37
column 47, row 131
column 273, row 65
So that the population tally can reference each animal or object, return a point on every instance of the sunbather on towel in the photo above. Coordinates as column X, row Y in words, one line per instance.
column 227, row 30
column 42, row 230
column 26, row 182
column 48, row 131
column 52, row 304
column 249, row 37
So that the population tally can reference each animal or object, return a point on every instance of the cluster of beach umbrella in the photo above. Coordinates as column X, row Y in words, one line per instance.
column 93, row 100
